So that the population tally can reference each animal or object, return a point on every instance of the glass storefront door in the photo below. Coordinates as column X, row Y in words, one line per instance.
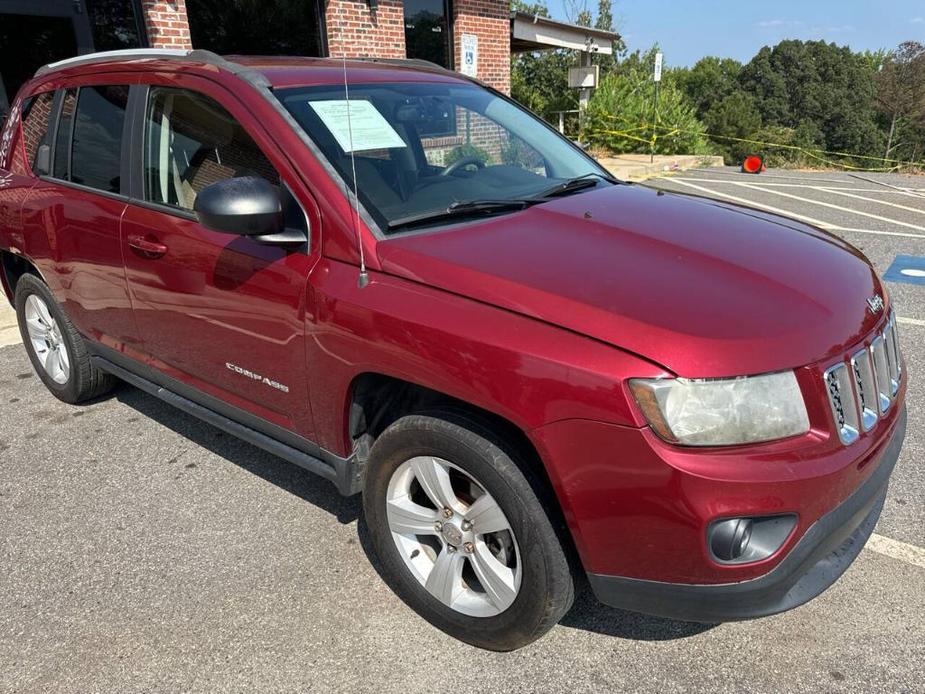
column 258, row 27
column 36, row 32
column 427, row 31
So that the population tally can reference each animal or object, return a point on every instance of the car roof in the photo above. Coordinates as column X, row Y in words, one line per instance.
column 276, row 71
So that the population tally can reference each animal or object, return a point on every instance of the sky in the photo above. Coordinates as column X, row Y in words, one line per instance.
column 687, row 30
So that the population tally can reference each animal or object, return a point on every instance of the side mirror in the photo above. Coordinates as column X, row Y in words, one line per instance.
column 43, row 160
column 247, row 206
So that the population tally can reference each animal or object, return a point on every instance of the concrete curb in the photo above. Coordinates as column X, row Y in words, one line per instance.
column 638, row 167
column 9, row 328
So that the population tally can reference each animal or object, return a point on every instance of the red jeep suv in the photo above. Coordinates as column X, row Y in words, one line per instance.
column 404, row 282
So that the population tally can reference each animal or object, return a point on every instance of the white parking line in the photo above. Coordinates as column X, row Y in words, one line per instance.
column 787, row 213
column 897, row 550
column 825, row 187
column 884, row 184
column 751, row 203
column 837, row 191
column 910, row 321
column 767, row 175
column 877, row 232
column 832, row 206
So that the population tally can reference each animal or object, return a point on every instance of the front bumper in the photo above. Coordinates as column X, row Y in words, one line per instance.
column 814, row 563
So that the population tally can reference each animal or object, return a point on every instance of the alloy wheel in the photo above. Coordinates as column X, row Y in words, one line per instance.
column 46, row 339
column 453, row 537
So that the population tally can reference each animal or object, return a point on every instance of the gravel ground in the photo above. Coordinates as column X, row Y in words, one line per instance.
column 141, row 551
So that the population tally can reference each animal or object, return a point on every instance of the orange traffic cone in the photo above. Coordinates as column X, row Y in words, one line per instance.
column 753, row 164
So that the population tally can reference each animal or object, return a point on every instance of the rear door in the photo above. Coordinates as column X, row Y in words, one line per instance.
column 221, row 313
column 71, row 218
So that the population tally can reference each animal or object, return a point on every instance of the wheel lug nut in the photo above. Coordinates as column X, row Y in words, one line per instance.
column 438, row 526
column 451, row 549
column 470, row 548
column 466, row 526
column 447, row 513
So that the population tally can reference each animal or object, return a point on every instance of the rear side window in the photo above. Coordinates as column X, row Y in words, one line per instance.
column 35, row 124
column 63, row 134
column 191, row 142
column 96, row 153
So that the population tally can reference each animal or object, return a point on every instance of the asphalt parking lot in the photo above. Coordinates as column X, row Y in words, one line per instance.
column 141, row 550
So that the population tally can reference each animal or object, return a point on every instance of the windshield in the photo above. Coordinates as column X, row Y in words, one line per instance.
column 422, row 148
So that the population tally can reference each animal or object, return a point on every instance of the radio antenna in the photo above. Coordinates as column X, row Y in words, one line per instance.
column 363, row 279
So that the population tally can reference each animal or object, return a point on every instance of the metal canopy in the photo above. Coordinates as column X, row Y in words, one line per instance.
column 534, row 33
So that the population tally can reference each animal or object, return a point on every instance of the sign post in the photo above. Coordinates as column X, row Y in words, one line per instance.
column 657, row 78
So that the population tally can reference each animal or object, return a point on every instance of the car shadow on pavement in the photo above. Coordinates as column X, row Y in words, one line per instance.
column 587, row 613
column 590, row 615
column 285, row 475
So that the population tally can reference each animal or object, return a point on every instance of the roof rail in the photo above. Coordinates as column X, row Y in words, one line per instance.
column 409, row 62
column 194, row 56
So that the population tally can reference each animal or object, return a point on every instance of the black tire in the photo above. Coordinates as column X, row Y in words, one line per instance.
column 547, row 588
column 85, row 381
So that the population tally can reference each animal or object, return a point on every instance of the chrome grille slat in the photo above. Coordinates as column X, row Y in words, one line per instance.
column 865, row 388
column 881, row 372
column 841, row 399
column 862, row 387
column 892, row 353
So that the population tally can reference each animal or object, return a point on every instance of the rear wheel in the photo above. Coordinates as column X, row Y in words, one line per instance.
column 461, row 534
column 55, row 348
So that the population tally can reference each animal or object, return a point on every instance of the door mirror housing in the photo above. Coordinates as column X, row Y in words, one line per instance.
column 43, row 161
column 246, row 206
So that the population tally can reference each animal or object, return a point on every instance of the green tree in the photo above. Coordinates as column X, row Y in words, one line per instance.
column 797, row 81
column 604, row 20
column 735, row 116
column 620, row 115
column 901, row 97
column 539, row 80
column 711, row 80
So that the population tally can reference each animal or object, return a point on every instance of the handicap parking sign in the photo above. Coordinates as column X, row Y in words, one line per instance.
column 907, row 268
column 470, row 55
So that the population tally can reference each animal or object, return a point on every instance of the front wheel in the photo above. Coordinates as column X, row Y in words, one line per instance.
column 461, row 534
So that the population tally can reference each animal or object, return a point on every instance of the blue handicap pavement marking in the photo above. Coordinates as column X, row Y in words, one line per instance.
column 907, row 268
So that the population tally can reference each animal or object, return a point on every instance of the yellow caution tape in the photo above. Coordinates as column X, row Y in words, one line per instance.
column 812, row 153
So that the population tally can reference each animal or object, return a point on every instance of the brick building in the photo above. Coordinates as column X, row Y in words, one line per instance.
column 473, row 36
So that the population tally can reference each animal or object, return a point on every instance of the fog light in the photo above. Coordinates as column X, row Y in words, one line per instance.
column 744, row 540
column 729, row 538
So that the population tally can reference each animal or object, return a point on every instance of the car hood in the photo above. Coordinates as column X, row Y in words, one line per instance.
column 702, row 288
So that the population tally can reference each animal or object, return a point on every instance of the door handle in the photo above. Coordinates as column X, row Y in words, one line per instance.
column 146, row 248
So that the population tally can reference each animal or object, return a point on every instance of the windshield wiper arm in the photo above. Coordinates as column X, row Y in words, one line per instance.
column 572, row 185
column 465, row 208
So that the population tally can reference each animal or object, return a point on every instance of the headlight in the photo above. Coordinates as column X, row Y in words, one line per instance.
column 723, row 412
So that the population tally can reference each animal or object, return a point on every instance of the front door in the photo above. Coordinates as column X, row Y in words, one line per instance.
column 221, row 313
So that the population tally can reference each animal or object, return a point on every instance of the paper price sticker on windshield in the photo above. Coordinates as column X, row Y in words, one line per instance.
column 365, row 127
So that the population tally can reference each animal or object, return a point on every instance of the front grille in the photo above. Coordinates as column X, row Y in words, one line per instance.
column 863, row 386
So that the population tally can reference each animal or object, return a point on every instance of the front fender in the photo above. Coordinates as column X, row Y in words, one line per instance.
column 526, row 371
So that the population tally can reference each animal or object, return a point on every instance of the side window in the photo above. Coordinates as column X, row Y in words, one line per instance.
column 96, row 154
column 63, row 135
column 35, row 124
column 192, row 142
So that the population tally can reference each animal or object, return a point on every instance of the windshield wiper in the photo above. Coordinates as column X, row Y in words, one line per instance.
column 468, row 208
column 575, row 184
column 471, row 208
